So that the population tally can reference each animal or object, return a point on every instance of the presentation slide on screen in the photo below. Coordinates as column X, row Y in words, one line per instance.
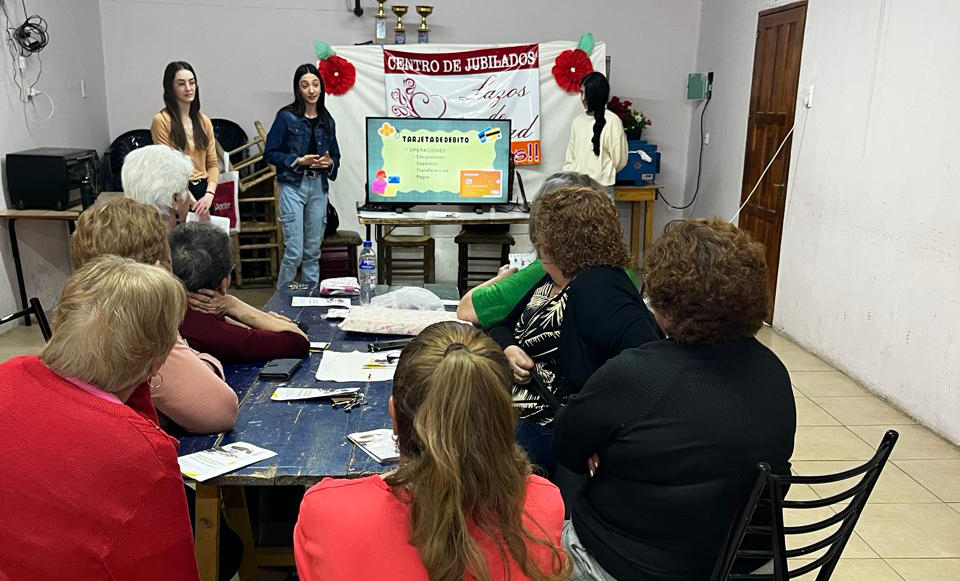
column 456, row 161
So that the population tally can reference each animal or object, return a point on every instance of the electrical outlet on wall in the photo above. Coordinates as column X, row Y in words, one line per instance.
column 808, row 100
column 706, row 138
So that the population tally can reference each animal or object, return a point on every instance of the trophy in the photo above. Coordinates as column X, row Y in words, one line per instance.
column 423, row 33
column 401, row 34
column 380, row 35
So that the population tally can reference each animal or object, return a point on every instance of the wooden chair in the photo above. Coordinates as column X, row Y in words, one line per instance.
column 467, row 270
column 338, row 256
column 762, row 518
column 35, row 309
column 409, row 267
column 256, row 176
column 258, row 246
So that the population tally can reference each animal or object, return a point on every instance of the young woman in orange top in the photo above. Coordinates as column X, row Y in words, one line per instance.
column 182, row 126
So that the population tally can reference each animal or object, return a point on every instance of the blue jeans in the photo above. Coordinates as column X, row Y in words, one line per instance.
column 303, row 217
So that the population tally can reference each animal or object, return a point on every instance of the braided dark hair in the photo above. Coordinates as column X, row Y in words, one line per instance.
column 596, row 91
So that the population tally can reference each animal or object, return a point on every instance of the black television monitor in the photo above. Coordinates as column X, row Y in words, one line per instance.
column 437, row 161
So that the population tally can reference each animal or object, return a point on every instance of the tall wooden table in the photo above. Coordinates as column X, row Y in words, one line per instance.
column 69, row 216
column 645, row 194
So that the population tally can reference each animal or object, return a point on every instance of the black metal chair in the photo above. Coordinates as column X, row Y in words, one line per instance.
column 118, row 150
column 35, row 309
column 768, row 496
column 228, row 134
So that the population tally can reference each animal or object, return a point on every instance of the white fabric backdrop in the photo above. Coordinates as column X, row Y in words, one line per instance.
column 366, row 99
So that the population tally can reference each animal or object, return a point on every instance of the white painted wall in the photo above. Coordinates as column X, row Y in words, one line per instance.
column 75, row 52
column 870, row 265
column 245, row 53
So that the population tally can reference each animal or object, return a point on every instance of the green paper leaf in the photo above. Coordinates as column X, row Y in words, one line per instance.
column 323, row 50
column 586, row 43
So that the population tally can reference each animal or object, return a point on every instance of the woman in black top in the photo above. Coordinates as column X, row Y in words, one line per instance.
column 583, row 312
column 673, row 430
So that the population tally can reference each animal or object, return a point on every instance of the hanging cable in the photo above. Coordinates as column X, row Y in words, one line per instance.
column 24, row 41
column 699, row 165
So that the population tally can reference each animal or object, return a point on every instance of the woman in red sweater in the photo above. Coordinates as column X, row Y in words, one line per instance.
column 97, row 493
column 463, row 504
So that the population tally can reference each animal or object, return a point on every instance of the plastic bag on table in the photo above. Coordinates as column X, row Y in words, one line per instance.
column 409, row 297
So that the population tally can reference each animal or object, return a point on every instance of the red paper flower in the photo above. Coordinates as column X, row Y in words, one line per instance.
column 570, row 68
column 338, row 75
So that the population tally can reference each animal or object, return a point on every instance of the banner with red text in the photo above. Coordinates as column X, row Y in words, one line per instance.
column 492, row 83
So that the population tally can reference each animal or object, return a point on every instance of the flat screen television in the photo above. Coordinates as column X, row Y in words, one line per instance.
column 437, row 161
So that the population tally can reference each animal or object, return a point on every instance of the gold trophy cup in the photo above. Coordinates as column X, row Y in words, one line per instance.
column 401, row 33
column 423, row 33
column 380, row 35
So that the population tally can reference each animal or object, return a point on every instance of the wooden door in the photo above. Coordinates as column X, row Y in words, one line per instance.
column 773, row 100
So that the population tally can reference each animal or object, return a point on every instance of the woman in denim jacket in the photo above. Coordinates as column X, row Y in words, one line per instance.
column 302, row 144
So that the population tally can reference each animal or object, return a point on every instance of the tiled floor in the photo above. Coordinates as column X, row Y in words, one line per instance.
column 910, row 530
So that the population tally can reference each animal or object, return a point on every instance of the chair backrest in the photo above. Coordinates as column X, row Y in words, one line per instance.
column 35, row 309
column 118, row 150
column 766, row 504
column 228, row 134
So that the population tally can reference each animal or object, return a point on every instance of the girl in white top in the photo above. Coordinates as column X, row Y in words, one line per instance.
column 598, row 145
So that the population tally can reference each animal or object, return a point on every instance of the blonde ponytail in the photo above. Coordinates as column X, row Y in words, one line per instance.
column 462, row 467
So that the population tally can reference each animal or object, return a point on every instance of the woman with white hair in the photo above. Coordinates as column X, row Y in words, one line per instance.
column 159, row 176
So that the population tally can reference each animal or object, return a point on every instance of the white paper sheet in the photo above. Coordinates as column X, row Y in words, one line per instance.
column 319, row 345
column 336, row 314
column 297, row 393
column 207, row 464
column 319, row 302
column 379, row 444
column 343, row 367
column 521, row 260
column 218, row 221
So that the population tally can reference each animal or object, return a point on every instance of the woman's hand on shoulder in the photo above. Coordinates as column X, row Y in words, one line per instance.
column 210, row 302
column 520, row 364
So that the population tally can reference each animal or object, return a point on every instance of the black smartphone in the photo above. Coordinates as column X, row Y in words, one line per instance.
column 388, row 345
column 280, row 369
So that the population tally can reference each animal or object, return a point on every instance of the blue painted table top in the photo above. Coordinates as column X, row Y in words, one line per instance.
column 309, row 437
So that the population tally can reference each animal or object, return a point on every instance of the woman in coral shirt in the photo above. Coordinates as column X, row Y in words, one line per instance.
column 463, row 504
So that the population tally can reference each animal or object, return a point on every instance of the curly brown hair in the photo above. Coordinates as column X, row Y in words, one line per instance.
column 122, row 227
column 579, row 228
column 710, row 279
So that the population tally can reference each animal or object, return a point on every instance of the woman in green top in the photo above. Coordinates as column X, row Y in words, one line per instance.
column 489, row 303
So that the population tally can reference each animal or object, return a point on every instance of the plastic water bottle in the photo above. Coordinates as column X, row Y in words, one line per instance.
column 368, row 272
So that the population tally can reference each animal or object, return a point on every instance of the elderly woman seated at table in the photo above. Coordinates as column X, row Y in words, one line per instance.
column 584, row 311
column 92, row 489
column 490, row 302
column 159, row 176
column 190, row 389
column 203, row 259
column 673, row 430
column 462, row 504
